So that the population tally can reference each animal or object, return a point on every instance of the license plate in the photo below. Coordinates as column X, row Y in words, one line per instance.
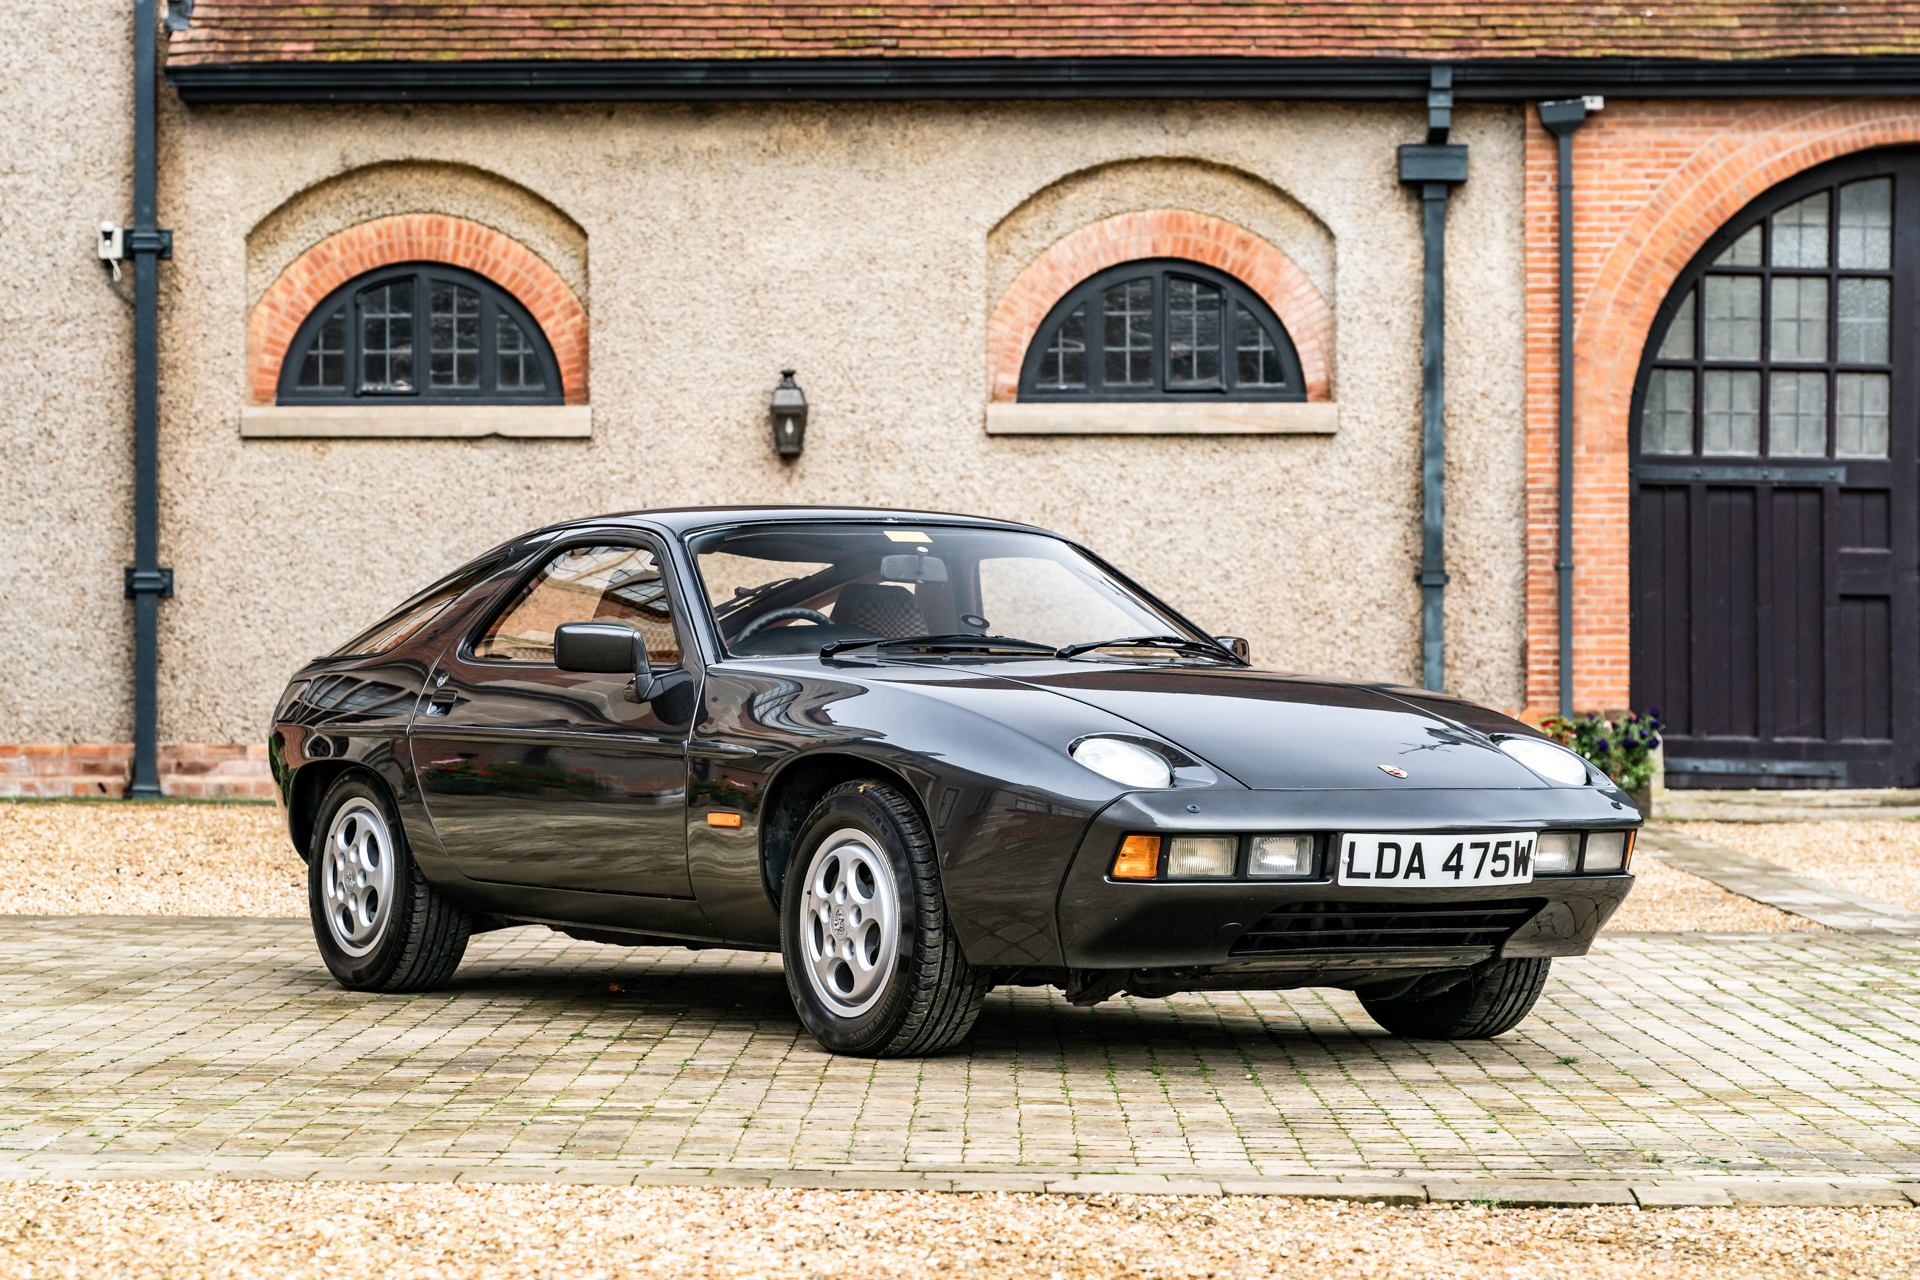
column 1503, row 857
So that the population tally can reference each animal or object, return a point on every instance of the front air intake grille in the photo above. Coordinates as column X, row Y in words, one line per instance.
column 1384, row 926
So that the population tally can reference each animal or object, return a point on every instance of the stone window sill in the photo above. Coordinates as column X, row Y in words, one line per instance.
column 417, row 422
column 1160, row 418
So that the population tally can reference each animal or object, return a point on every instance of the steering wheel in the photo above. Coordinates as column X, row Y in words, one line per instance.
column 766, row 620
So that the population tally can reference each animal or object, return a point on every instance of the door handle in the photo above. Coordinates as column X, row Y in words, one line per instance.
column 441, row 702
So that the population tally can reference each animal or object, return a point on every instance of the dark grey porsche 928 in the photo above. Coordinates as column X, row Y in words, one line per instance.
column 920, row 755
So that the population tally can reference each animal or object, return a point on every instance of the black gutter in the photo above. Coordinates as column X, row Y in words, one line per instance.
column 1435, row 167
column 897, row 79
column 146, row 582
column 1561, row 119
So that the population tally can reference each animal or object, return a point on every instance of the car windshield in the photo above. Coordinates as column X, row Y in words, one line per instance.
column 796, row 588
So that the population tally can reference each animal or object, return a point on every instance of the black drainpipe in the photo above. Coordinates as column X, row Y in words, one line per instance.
column 1436, row 167
column 1561, row 119
column 146, row 581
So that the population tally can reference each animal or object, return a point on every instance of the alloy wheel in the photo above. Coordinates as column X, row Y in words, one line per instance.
column 850, row 915
column 357, row 877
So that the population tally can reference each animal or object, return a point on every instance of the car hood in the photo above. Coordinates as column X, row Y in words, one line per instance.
column 1285, row 732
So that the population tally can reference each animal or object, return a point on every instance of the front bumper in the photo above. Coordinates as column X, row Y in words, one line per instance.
column 1314, row 932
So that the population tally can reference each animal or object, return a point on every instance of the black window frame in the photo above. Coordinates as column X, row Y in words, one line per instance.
column 493, row 300
column 1829, row 178
column 1158, row 271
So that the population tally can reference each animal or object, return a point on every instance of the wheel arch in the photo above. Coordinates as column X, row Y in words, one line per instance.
column 310, row 785
column 796, row 788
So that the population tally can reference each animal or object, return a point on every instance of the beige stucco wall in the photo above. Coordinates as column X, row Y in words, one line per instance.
column 862, row 245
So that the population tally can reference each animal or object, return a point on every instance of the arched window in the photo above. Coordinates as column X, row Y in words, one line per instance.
column 1775, row 500
column 1161, row 329
column 419, row 331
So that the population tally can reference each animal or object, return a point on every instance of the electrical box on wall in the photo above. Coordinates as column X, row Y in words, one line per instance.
column 113, row 242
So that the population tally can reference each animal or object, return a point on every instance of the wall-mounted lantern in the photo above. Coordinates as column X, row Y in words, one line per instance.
column 788, row 412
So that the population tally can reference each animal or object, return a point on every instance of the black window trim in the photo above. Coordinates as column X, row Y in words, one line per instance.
column 1830, row 176
column 492, row 295
column 1088, row 293
column 545, row 556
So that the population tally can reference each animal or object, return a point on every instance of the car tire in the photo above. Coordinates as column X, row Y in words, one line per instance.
column 380, row 924
column 872, row 962
column 1489, row 1004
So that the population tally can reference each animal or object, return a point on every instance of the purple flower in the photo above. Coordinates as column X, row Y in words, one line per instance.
column 1653, row 744
column 1602, row 746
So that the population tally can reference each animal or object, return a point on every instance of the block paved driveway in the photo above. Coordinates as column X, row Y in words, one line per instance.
column 166, row 1044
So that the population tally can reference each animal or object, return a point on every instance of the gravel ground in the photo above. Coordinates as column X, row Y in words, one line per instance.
column 115, row 858
column 279, row 1230
column 1879, row 859
column 1666, row 899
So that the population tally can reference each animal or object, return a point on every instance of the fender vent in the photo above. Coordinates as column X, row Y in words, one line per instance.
column 1385, row 926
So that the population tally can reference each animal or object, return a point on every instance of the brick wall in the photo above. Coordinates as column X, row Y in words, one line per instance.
column 206, row 771
column 1652, row 180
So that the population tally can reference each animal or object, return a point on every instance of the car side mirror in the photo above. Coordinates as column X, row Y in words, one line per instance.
column 604, row 648
column 1238, row 645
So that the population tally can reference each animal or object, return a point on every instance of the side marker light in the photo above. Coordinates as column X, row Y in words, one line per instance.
column 723, row 819
column 1139, row 858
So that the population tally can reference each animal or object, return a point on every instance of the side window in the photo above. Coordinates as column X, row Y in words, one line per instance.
column 585, row 584
column 416, row 613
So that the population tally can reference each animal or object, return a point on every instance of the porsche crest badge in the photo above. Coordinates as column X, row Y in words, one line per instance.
column 1398, row 773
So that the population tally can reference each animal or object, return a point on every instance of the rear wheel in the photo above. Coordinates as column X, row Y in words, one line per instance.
column 872, row 963
column 1490, row 1004
column 380, row 925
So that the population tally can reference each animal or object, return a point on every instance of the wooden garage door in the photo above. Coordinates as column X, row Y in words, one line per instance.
column 1774, row 524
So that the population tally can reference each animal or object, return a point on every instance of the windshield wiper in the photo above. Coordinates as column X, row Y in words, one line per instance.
column 1177, row 643
column 957, row 643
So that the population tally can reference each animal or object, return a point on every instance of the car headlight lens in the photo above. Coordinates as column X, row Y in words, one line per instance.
column 1557, row 853
column 1127, row 763
column 1281, row 856
column 1554, row 763
column 1606, row 851
column 1201, row 857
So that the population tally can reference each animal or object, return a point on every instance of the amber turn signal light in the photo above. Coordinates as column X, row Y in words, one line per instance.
column 1139, row 858
column 723, row 819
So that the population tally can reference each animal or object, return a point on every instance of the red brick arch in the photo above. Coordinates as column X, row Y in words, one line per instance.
column 1160, row 233
column 1652, row 182
column 415, row 237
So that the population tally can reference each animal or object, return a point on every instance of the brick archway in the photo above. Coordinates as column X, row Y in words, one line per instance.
column 1740, row 155
column 415, row 238
column 1160, row 233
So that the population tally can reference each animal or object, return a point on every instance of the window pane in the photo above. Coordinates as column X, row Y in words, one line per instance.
column 1866, row 224
column 1129, row 336
column 1865, row 306
column 1860, row 420
column 519, row 365
column 1259, row 364
column 386, row 337
column 1800, row 233
column 1797, row 415
column 1678, row 344
column 586, row 584
column 1799, row 318
column 1064, row 365
column 325, row 364
column 1193, row 332
column 1666, row 423
column 1744, row 252
column 454, row 321
column 1731, row 324
column 1730, row 413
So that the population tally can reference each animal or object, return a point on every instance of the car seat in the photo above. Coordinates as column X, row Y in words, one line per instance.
column 883, row 610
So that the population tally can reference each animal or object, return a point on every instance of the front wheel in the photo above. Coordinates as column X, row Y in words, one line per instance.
column 872, row 963
column 1482, row 1007
column 380, row 924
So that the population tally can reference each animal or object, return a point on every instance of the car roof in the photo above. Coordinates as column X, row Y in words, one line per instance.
column 685, row 520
